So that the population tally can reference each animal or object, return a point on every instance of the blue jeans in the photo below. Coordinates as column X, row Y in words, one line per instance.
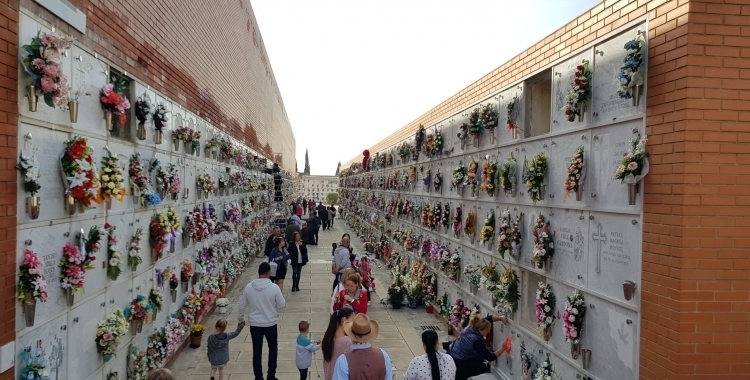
column 271, row 334
column 296, row 274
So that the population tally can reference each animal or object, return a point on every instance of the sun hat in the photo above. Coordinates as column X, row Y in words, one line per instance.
column 360, row 329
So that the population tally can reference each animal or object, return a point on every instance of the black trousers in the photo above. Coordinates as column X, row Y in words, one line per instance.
column 302, row 373
column 469, row 368
column 271, row 334
column 326, row 224
column 296, row 274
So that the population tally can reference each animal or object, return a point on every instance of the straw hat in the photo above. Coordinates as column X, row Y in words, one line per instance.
column 360, row 329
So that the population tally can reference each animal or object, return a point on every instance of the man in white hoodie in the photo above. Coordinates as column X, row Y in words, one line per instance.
column 260, row 301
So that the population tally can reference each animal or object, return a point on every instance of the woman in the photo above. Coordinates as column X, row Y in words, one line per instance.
column 339, row 287
column 353, row 296
column 279, row 255
column 161, row 374
column 335, row 342
column 298, row 254
column 433, row 365
column 469, row 351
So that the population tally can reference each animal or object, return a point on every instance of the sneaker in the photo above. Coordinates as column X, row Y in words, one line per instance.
column 212, row 378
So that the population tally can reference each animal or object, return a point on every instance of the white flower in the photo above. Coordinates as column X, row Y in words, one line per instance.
column 573, row 333
column 78, row 179
column 83, row 164
column 574, row 311
column 572, row 318
column 546, row 309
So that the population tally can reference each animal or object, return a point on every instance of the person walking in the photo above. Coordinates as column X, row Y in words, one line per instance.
column 299, row 211
column 313, row 225
column 218, row 347
column 293, row 225
column 305, row 349
column 433, row 365
column 279, row 256
column 270, row 245
column 335, row 342
column 341, row 260
column 260, row 302
column 298, row 255
column 310, row 205
column 363, row 361
column 332, row 214
column 323, row 214
column 468, row 350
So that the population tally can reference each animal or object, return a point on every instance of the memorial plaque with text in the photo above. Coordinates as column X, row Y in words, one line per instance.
column 614, row 254
column 561, row 84
column 562, row 150
column 53, row 341
column 571, row 231
column 608, row 146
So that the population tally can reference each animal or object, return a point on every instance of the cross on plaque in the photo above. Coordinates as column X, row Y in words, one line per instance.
column 599, row 237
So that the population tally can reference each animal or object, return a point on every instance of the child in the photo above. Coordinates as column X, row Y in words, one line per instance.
column 305, row 348
column 218, row 347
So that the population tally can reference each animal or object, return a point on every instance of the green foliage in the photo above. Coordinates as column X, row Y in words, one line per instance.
column 307, row 164
column 332, row 198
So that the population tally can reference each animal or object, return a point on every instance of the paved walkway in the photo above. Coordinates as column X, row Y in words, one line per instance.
column 399, row 329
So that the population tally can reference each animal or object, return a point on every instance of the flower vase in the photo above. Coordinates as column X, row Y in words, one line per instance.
column 463, row 144
column 134, row 267
column 175, row 196
column 29, row 312
column 586, row 358
column 175, row 144
column 575, row 350
column 542, row 191
column 396, row 305
column 141, row 131
column 196, row 150
column 172, row 246
column 73, row 111
column 33, row 98
column 188, row 147
column 81, row 207
column 70, row 296
column 195, row 341
column 173, row 293
column 185, row 193
column 514, row 133
column 633, row 190
column 473, row 288
column 628, row 290
column 155, row 255
column 185, row 285
column 70, row 204
column 475, row 141
column 185, row 240
column 196, row 277
column 222, row 309
column 548, row 264
column 33, row 206
column 154, row 313
column 107, row 357
column 579, row 193
column 214, row 154
column 582, row 114
column 158, row 136
column 200, row 194
column 108, row 121
column 412, row 304
column 492, row 136
column 547, row 333
column 636, row 95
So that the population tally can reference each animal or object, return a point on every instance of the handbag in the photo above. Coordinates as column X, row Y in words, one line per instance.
column 274, row 267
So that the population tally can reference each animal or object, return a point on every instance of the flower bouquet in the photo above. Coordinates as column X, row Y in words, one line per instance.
column 489, row 118
column 631, row 80
column 633, row 167
column 459, row 314
column 508, row 176
column 574, row 180
column 573, row 318
column 186, row 274
column 41, row 60
column 137, row 364
column 137, row 312
column 470, row 224
column 445, row 219
column 205, row 185
column 32, row 285
column 489, row 169
column 79, row 171
column 451, row 263
column 490, row 280
column 545, row 371
column 459, row 178
column 533, row 177
column 174, row 283
column 160, row 118
column 544, row 247
column 156, row 300
column 114, row 102
column 463, row 132
column 114, row 254
column 426, row 178
column 72, row 272
column 545, row 309
column 437, row 182
column 112, row 183
column 457, row 225
column 488, row 230
column 508, row 292
column 396, row 292
column 134, row 250
column 92, row 244
column 471, row 177
column 143, row 109
column 579, row 93
column 511, row 115
column 175, row 228
column 156, row 351
column 196, row 333
column 30, row 171
column 473, row 275
column 158, row 229
column 174, row 332
column 109, row 333
column 475, row 125
column 140, row 182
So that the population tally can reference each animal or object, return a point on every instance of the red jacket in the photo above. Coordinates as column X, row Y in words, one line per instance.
column 299, row 211
column 359, row 305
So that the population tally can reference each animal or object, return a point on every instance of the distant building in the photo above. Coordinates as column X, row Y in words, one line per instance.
column 316, row 187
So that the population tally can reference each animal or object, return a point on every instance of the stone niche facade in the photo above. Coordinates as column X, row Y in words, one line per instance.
column 682, row 243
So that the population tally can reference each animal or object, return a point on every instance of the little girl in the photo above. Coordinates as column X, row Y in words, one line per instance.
column 218, row 347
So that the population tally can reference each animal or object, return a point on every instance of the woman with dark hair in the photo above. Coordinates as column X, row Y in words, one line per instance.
column 335, row 342
column 468, row 350
column 298, row 254
column 433, row 365
column 279, row 255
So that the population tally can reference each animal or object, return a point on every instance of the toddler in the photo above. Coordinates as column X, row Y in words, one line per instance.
column 218, row 347
column 305, row 348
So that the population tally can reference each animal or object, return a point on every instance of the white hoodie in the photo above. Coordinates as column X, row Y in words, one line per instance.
column 260, row 301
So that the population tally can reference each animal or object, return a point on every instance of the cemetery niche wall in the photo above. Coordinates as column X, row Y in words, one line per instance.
column 513, row 211
column 134, row 216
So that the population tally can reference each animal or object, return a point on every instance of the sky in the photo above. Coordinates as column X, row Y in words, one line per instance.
column 353, row 72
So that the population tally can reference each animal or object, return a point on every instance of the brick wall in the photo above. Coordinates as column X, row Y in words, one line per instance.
column 695, row 320
column 8, row 175
column 210, row 59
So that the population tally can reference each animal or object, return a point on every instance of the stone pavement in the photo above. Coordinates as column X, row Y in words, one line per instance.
column 399, row 329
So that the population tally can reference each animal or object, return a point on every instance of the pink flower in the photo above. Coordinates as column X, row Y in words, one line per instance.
column 107, row 89
column 38, row 64
column 632, row 166
column 48, row 84
column 108, row 336
column 50, row 70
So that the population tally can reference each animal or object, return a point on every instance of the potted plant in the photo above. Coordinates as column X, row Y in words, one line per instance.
column 222, row 303
column 196, row 334
column 396, row 293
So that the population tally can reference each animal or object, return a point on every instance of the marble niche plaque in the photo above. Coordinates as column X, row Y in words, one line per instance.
column 571, row 229
column 506, row 97
column 83, row 358
column 563, row 77
column 562, row 149
column 611, row 334
column 614, row 254
column 524, row 156
column 89, row 76
column 607, row 103
column 47, row 146
column 28, row 29
column 52, row 340
column 608, row 146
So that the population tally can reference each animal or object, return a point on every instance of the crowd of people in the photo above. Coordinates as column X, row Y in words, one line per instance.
column 347, row 345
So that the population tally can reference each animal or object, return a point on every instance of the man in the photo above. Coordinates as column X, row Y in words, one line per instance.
column 310, row 205
column 323, row 214
column 292, row 226
column 296, row 218
column 331, row 215
column 313, row 225
column 341, row 260
column 260, row 301
column 363, row 361
column 276, row 232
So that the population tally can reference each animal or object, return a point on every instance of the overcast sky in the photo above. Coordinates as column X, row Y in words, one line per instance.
column 353, row 72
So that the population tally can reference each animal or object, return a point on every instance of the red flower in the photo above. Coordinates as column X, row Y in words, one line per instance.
column 577, row 81
column 578, row 74
column 76, row 150
column 107, row 226
column 579, row 67
column 122, row 119
column 567, row 112
column 582, row 86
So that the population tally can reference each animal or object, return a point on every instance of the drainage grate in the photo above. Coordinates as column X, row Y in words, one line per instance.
column 436, row 328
